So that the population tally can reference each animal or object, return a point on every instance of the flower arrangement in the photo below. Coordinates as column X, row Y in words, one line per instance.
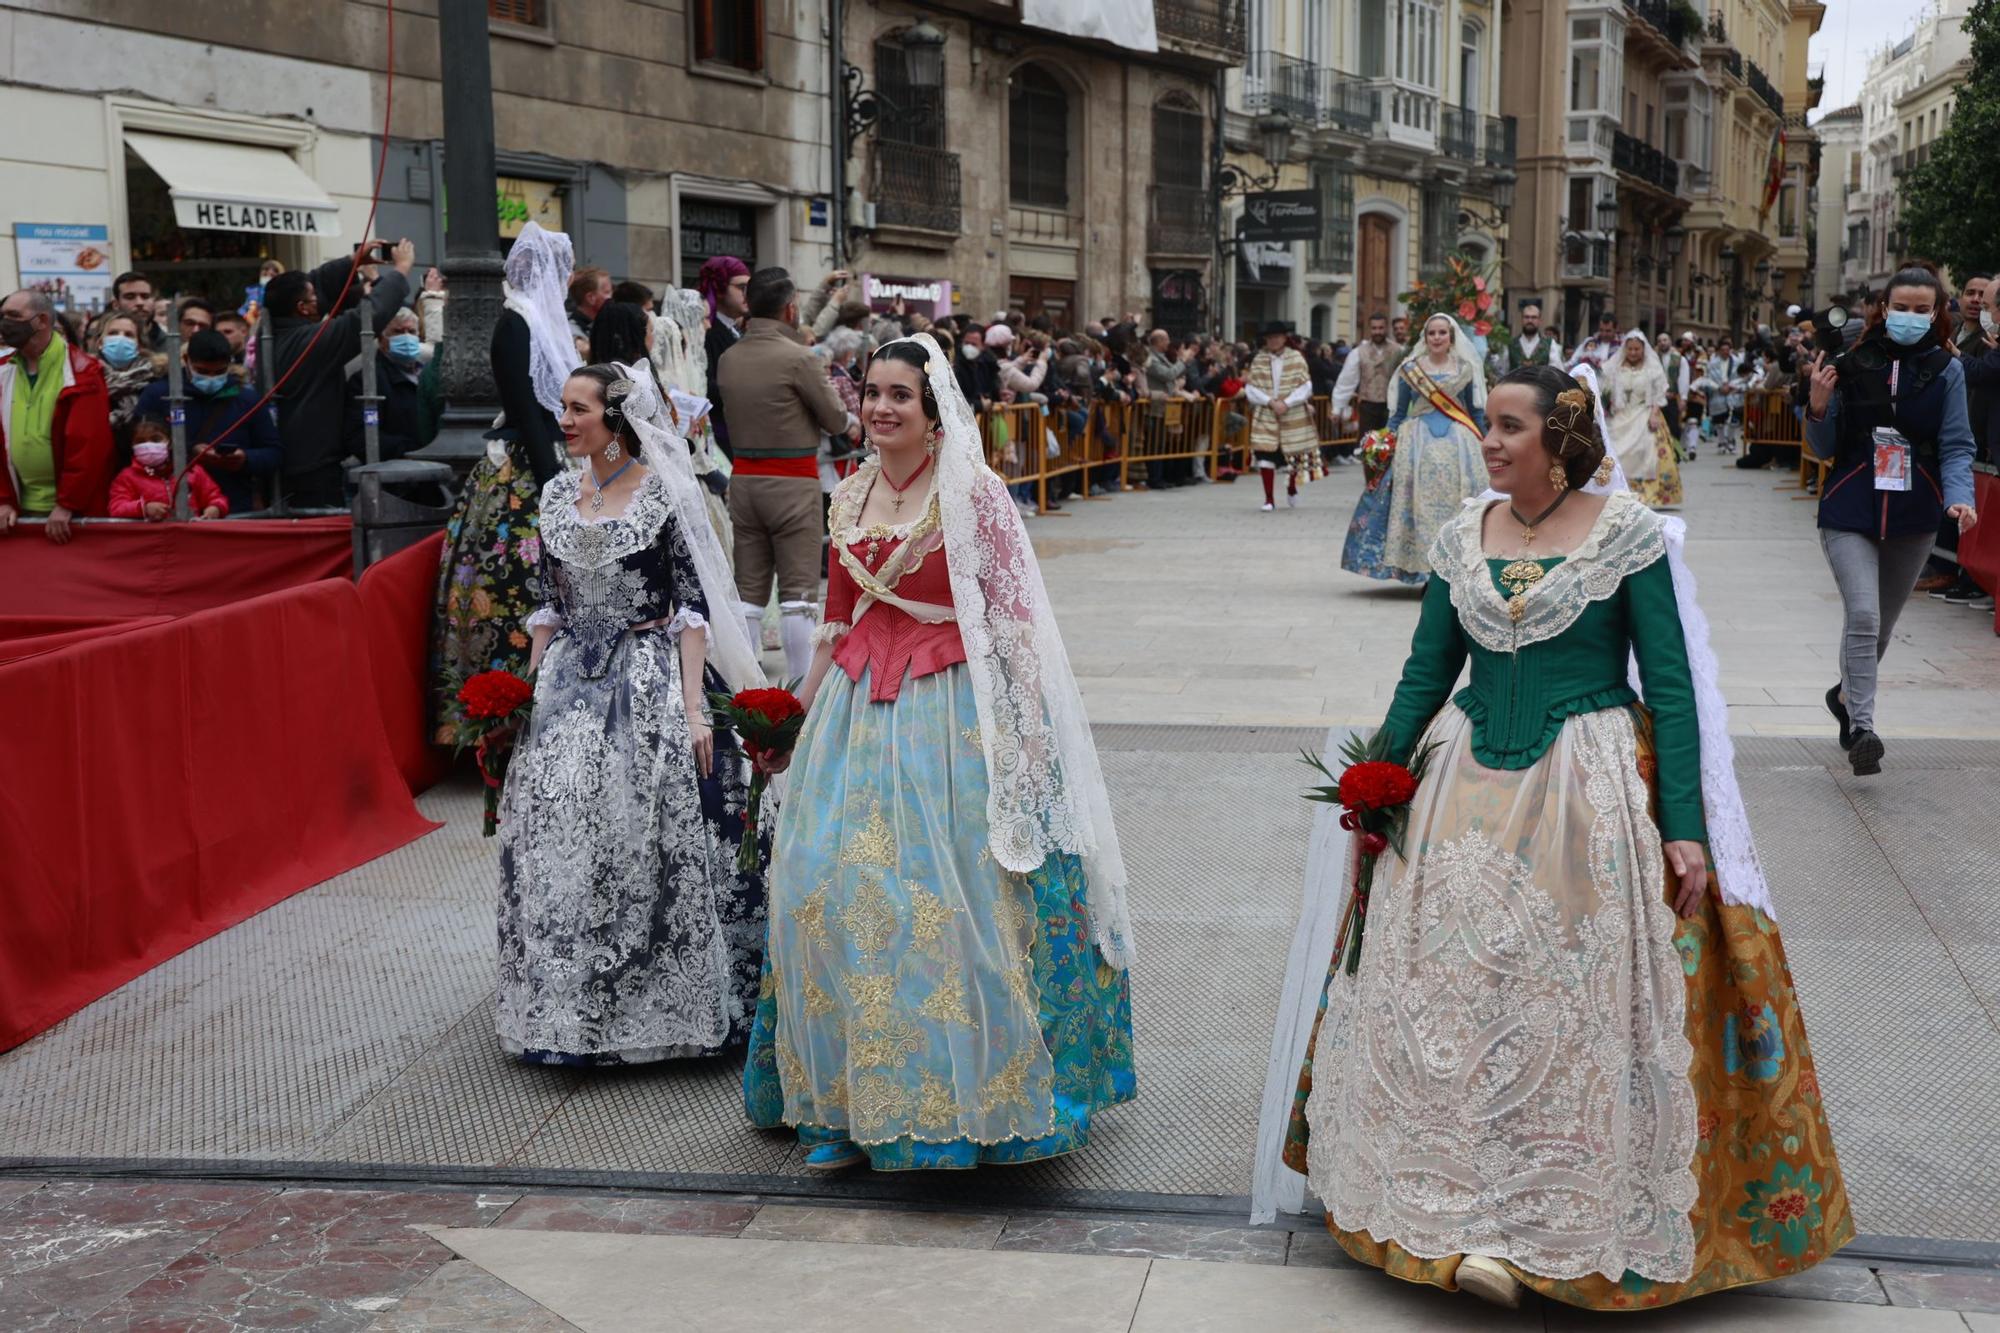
column 1464, row 289
column 1378, row 451
column 492, row 707
column 767, row 722
column 1374, row 793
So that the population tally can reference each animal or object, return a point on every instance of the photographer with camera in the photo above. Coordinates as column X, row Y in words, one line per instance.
column 1891, row 414
column 312, row 404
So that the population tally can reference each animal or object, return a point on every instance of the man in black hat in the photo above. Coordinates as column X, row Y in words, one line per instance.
column 1282, row 433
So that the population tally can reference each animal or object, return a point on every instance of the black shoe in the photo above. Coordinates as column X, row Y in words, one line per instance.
column 1839, row 711
column 1962, row 592
column 1866, row 753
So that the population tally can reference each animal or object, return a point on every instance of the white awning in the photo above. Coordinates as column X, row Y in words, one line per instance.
column 237, row 187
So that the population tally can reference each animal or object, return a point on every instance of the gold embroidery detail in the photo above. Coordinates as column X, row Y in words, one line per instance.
column 833, row 1097
column 875, row 1100
column 947, row 1002
column 1010, row 1085
column 894, row 1045
column 811, row 916
column 873, row 845
column 935, row 1107
column 1010, row 911
column 974, row 738
column 872, row 996
column 791, row 1069
column 1023, row 985
column 818, row 1002
column 870, row 920
column 928, row 916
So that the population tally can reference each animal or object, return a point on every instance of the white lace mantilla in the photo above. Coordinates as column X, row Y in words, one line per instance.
column 1507, row 1074
column 1625, row 539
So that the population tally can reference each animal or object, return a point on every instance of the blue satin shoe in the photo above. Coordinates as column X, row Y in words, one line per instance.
column 827, row 1153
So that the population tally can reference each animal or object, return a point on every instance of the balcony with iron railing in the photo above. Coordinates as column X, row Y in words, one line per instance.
column 915, row 187
column 1638, row 158
column 1675, row 22
column 1501, row 136
column 1278, row 84
column 1458, row 132
column 1182, row 222
column 1214, row 24
column 1762, row 86
column 1345, row 104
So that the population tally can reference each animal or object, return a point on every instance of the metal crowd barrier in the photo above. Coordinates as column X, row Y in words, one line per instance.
column 1033, row 445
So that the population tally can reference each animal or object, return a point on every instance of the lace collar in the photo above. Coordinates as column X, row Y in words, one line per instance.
column 589, row 543
column 1624, row 540
column 844, row 515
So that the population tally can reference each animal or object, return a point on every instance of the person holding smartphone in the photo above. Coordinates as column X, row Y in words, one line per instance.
column 312, row 399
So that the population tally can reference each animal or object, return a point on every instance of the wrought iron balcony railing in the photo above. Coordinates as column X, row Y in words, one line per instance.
column 1212, row 23
column 1648, row 163
column 1458, row 132
column 1283, row 85
column 1183, row 222
column 915, row 187
column 1501, row 136
column 1761, row 86
column 1344, row 103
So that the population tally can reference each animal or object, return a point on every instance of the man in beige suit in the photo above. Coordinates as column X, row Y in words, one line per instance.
column 780, row 403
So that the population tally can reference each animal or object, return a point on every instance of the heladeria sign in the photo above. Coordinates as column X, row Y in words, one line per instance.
column 284, row 219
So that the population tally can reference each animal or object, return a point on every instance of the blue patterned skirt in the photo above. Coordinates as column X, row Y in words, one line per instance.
column 1362, row 552
column 918, row 998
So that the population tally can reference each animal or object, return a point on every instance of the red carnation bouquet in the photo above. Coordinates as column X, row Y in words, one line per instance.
column 492, row 707
column 767, row 722
column 1374, row 793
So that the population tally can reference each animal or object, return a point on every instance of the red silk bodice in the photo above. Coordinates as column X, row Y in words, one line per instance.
column 889, row 643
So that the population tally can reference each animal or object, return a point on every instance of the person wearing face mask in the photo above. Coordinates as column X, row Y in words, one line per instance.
column 55, row 421
column 411, row 404
column 1891, row 414
column 233, row 443
column 146, row 488
column 129, row 368
column 1982, row 384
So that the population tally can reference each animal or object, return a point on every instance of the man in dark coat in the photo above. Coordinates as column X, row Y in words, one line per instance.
column 312, row 404
column 725, row 281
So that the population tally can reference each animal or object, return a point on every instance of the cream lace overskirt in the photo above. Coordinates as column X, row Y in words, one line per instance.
column 1507, row 1073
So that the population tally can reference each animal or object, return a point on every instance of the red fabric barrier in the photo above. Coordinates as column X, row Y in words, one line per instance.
column 114, row 570
column 398, row 597
column 1979, row 549
column 163, row 783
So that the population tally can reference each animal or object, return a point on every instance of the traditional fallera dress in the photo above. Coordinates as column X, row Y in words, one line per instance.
column 919, row 998
column 1632, row 394
column 1438, row 419
column 626, row 932
column 1536, row 1059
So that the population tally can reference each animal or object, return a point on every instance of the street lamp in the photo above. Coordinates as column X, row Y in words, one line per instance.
column 1274, row 135
column 923, row 68
column 1607, row 214
column 1275, row 130
column 1676, row 242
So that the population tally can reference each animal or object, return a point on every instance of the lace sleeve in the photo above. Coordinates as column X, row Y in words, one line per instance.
column 546, row 615
column 691, row 601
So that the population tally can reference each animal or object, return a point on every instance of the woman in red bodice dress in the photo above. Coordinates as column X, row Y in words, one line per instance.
column 945, row 980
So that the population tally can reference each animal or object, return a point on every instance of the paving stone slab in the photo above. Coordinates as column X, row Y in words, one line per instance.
column 876, row 1226
column 462, row 1297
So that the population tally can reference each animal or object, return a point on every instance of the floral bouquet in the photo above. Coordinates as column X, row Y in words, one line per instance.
column 767, row 722
column 1374, row 794
column 1378, row 450
column 492, row 706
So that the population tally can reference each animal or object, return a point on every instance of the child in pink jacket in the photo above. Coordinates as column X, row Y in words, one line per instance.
column 145, row 489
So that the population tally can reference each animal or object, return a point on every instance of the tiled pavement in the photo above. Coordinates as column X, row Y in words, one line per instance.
column 202, row 1257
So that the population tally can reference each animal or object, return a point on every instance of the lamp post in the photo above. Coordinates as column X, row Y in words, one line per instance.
column 472, row 264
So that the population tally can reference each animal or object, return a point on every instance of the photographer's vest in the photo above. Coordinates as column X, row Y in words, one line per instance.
column 1851, row 503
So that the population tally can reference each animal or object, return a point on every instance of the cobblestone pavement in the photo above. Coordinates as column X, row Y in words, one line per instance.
column 344, row 1037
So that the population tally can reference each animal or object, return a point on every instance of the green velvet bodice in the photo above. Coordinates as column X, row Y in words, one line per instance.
column 1518, row 700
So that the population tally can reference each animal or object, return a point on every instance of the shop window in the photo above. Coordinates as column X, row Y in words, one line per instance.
column 1037, row 139
column 730, row 32
column 216, row 263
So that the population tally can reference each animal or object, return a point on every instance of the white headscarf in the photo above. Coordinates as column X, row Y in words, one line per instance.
column 1466, row 352
column 1046, row 791
column 538, row 269
column 1643, row 382
column 662, row 449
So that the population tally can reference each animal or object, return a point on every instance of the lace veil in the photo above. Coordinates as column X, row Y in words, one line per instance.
column 664, row 451
column 1046, row 790
column 1467, row 354
column 538, row 269
column 1647, row 380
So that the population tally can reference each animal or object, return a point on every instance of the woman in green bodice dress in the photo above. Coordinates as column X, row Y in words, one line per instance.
column 1571, row 1056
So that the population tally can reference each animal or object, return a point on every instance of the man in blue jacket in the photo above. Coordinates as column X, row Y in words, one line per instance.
column 219, row 403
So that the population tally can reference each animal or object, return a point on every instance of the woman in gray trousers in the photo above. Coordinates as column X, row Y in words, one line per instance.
column 1890, row 412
